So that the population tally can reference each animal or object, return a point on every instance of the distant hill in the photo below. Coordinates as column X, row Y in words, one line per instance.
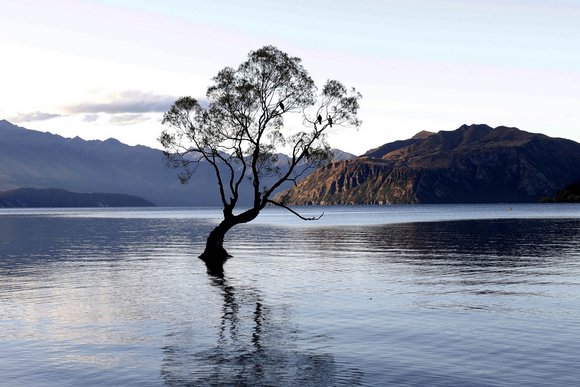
column 570, row 194
column 32, row 159
column 473, row 164
column 30, row 197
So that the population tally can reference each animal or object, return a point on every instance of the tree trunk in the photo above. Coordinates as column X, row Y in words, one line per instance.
column 214, row 247
column 214, row 254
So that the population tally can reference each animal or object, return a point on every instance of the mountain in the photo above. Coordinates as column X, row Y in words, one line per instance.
column 30, row 197
column 393, row 146
column 338, row 155
column 473, row 164
column 32, row 159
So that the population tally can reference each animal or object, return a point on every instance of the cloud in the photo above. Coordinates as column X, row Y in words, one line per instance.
column 128, row 119
column 123, row 108
column 92, row 117
column 126, row 102
column 34, row 116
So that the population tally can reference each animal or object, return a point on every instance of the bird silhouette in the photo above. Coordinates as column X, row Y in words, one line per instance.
column 319, row 119
column 330, row 121
column 281, row 106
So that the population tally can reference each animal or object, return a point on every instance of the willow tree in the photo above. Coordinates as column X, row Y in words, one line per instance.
column 240, row 129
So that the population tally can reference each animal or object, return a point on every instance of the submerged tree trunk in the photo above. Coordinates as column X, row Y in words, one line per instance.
column 214, row 246
column 215, row 255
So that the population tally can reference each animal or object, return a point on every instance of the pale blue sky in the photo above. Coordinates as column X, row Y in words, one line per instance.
column 102, row 69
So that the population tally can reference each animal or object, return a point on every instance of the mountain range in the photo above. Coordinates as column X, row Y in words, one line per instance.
column 51, row 197
column 32, row 159
column 472, row 164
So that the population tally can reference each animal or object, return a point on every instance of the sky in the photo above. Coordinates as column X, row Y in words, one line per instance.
column 101, row 69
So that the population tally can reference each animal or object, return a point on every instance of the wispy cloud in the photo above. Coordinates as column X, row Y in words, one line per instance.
column 126, row 102
column 123, row 108
column 92, row 117
column 34, row 116
column 128, row 119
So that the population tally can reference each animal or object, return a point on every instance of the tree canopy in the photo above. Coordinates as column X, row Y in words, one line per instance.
column 240, row 129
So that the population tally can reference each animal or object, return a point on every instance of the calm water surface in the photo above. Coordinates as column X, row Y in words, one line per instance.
column 402, row 295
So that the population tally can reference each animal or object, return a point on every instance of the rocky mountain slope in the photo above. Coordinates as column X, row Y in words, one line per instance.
column 473, row 164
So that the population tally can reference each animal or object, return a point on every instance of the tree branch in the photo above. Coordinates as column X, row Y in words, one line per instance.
column 292, row 211
column 218, row 175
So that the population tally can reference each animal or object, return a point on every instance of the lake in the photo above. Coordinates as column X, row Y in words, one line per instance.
column 446, row 295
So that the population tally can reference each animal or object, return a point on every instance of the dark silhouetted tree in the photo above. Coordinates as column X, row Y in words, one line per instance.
column 240, row 130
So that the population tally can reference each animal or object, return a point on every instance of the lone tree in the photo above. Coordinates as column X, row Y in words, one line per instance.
column 240, row 128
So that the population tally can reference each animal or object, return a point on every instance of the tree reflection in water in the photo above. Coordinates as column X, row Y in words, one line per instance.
column 256, row 346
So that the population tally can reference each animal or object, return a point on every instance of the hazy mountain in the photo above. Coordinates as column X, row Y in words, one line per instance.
column 30, row 197
column 32, row 159
column 338, row 155
column 473, row 164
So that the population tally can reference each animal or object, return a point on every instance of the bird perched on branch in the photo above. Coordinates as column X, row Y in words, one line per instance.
column 281, row 105
column 329, row 121
column 319, row 119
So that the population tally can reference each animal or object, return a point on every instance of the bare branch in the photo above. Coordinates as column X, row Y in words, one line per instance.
column 294, row 212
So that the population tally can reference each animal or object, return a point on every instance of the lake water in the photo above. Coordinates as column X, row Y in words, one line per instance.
column 476, row 295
